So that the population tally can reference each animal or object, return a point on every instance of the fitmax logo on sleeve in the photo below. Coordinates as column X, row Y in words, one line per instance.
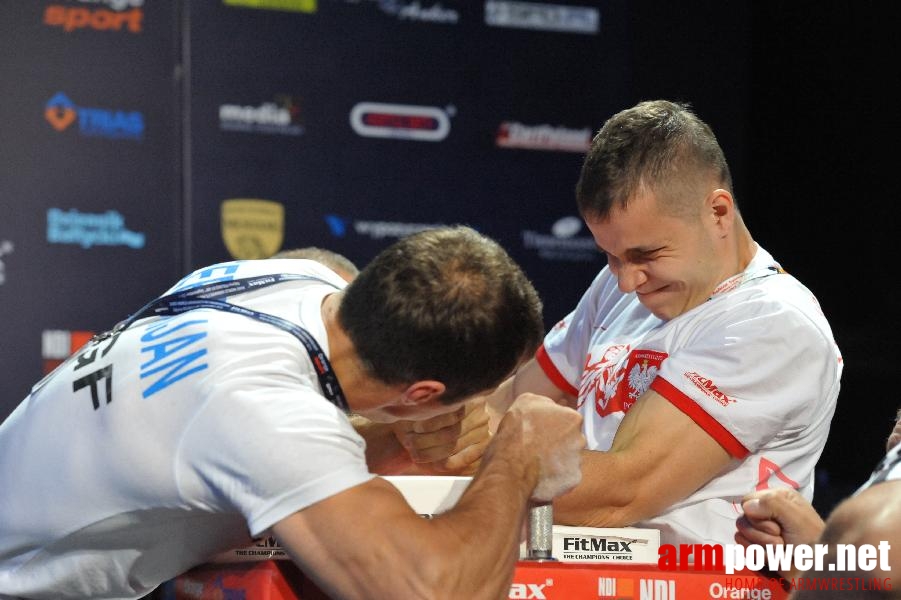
column 62, row 113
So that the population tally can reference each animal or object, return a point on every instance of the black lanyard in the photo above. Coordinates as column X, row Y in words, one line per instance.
column 211, row 296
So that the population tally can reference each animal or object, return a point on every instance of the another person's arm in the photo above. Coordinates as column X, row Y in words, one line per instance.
column 778, row 516
column 366, row 542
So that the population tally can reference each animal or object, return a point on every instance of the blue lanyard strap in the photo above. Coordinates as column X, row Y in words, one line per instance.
column 212, row 296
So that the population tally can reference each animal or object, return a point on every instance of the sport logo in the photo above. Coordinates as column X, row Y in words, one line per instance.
column 61, row 112
column 400, row 121
column 70, row 18
column 708, row 387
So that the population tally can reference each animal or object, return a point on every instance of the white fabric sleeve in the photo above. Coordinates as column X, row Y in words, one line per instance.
column 746, row 374
column 269, row 451
column 562, row 355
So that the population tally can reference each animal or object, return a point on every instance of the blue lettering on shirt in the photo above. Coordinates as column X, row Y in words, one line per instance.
column 175, row 357
column 213, row 274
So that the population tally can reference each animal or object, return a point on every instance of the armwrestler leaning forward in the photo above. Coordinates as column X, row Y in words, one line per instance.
column 702, row 369
column 218, row 413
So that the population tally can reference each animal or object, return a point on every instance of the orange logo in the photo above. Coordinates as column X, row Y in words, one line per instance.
column 60, row 112
column 99, row 19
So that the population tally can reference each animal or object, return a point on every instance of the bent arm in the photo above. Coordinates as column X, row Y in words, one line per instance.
column 659, row 457
column 366, row 542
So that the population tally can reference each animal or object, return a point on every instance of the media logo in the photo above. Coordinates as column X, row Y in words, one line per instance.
column 61, row 113
column 58, row 344
column 512, row 134
column 90, row 229
column 376, row 230
column 304, row 6
column 121, row 15
column 563, row 243
column 542, row 17
column 281, row 117
column 252, row 228
column 401, row 121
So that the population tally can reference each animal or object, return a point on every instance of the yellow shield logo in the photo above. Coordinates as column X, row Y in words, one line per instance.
column 252, row 228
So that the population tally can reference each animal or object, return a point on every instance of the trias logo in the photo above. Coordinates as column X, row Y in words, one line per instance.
column 529, row 591
column 401, row 121
column 121, row 15
column 61, row 113
column 708, row 387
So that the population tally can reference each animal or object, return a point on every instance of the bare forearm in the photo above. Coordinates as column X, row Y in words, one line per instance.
column 492, row 512
column 467, row 552
column 384, row 453
column 607, row 497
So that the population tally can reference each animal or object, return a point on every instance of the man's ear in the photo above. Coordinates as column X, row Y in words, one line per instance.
column 422, row 392
column 721, row 205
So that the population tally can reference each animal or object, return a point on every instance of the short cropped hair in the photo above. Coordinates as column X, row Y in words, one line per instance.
column 657, row 145
column 334, row 261
column 445, row 304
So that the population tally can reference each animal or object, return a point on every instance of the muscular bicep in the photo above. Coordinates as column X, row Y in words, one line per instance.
column 659, row 457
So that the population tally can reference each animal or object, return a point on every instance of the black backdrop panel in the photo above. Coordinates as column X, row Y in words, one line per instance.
column 89, row 190
column 399, row 122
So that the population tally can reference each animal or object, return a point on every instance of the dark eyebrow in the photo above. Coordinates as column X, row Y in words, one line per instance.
column 641, row 253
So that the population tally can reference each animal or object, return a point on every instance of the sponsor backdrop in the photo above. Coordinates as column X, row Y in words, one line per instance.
column 141, row 139
column 90, row 208
column 154, row 137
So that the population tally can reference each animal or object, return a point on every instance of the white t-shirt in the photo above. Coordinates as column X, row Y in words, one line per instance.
column 755, row 366
column 186, row 435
